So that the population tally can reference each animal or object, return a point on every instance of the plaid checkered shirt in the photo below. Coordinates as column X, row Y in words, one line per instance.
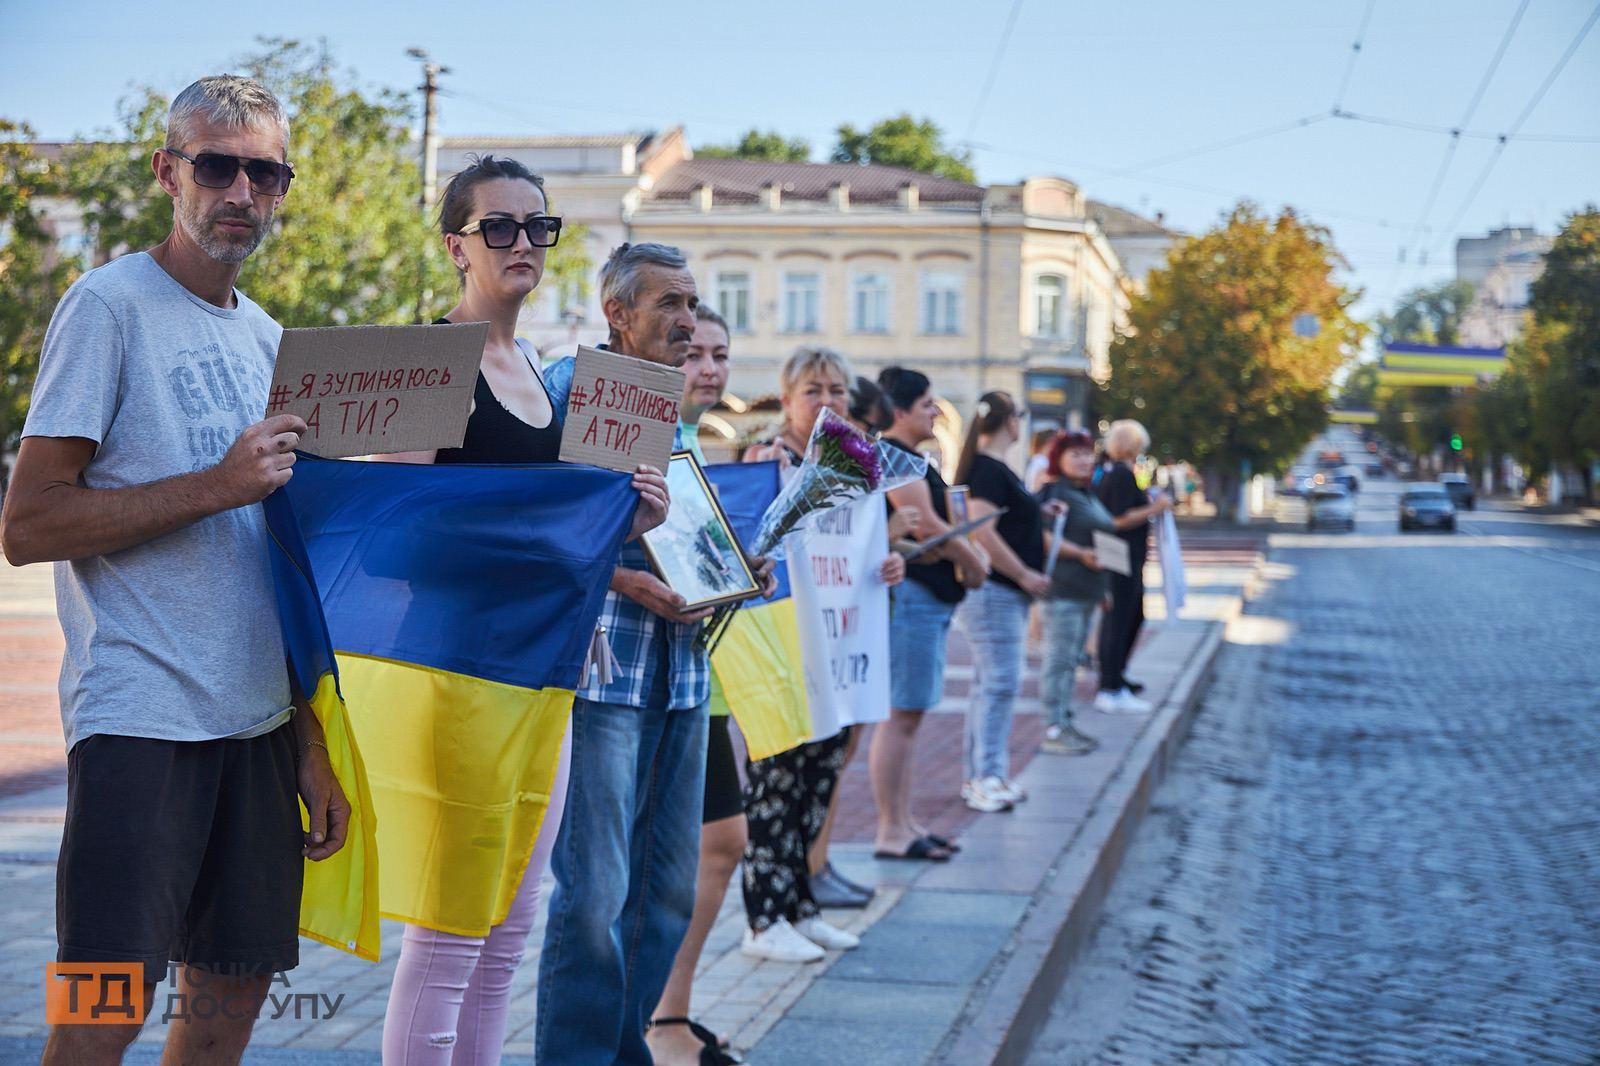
column 638, row 636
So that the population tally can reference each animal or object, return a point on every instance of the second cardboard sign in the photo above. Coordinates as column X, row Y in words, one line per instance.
column 621, row 411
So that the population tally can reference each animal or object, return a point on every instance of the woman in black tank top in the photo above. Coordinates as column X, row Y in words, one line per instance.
column 495, row 435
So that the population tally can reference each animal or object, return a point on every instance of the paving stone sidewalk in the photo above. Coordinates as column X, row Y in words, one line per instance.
column 932, row 937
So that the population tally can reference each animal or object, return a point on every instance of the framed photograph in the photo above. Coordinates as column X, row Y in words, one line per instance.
column 695, row 550
column 957, row 500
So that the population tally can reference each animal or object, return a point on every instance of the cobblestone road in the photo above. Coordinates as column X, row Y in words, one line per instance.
column 1382, row 841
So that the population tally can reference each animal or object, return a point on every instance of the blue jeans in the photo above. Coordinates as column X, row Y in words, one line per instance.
column 624, row 865
column 995, row 619
column 1066, row 633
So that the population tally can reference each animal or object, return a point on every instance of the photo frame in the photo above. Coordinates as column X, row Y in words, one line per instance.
column 695, row 551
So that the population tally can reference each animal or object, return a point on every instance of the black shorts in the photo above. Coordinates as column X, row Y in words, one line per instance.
column 186, row 850
column 724, row 794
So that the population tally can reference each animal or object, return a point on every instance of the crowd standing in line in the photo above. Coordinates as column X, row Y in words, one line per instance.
column 195, row 734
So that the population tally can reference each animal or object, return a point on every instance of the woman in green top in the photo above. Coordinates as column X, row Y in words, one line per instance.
column 1077, row 586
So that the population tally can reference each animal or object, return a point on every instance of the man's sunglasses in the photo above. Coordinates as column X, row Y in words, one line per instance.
column 212, row 170
column 543, row 231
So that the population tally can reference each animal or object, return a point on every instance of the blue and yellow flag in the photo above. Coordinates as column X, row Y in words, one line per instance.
column 461, row 601
column 339, row 898
column 757, row 665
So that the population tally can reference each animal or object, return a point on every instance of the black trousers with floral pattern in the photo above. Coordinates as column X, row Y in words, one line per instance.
column 785, row 803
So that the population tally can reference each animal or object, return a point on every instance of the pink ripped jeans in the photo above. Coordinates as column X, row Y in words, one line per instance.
column 451, row 994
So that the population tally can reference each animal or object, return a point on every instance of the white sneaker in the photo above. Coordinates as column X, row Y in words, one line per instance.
column 827, row 936
column 780, row 942
column 1009, row 791
column 1123, row 701
column 980, row 798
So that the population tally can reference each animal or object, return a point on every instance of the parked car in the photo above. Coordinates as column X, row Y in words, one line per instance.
column 1427, row 505
column 1462, row 494
column 1349, row 476
column 1331, row 507
column 1294, row 482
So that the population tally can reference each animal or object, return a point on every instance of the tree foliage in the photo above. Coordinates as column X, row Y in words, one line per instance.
column 1429, row 315
column 1545, row 409
column 1212, row 363
column 903, row 141
column 33, row 273
column 350, row 244
column 763, row 145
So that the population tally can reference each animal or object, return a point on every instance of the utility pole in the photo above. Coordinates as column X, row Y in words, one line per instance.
column 430, row 156
column 430, row 122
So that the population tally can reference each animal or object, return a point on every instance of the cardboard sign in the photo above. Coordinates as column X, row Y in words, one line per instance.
column 1111, row 552
column 621, row 411
column 371, row 390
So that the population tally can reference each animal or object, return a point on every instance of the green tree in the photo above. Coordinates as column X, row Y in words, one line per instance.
column 767, row 146
column 903, row 141
column 1429, row 315
column 33, row 274
column 1212, row 363
column 349, row 244
column 1562, row 350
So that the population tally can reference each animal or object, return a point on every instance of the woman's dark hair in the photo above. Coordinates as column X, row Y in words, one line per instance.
column 993, row 410
column 903, row 387
column 455, row 206
column 869, row 406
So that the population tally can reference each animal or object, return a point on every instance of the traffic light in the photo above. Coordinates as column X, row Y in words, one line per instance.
column 1455, row 442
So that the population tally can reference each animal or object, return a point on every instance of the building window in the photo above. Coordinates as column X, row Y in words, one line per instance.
column 941, row 302
column 1049, row 305
column 869, row 303
column 802, row 302
column 732, row 290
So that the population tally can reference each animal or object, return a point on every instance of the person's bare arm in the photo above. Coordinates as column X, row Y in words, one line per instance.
column 1002, row 558
column 929, row 525
column 50, row 515
column 654, row 595
column 1136, row 516
column 422, row 458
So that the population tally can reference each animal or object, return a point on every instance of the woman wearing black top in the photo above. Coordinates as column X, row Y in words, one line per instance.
column 1132, row 508
column 995, row 617
column 920, row 609
column 493, row 217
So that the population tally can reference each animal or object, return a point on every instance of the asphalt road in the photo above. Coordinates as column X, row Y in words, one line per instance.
column 1382, row 841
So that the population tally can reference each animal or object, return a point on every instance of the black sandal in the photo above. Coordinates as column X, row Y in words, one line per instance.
column 942, row 842
column 714, row 1053
column 922, row 848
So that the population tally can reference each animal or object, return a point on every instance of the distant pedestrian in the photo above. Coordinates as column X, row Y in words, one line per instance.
column 1038, row 471
column 1077, row 586
column 1131, row 508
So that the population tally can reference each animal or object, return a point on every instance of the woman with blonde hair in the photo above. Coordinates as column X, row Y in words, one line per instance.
column 788, row 795
column 1131, row 510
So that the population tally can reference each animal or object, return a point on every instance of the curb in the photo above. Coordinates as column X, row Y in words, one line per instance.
column 1006, row 1012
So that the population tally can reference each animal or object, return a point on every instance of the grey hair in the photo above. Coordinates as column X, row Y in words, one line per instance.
column 623, row 275
column 1127, row 439
column 227, row 100
column 808, row 361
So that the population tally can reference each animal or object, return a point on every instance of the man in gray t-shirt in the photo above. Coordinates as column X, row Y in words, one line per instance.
column 142, row 465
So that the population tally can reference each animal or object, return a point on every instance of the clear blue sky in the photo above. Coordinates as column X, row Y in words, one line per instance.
column 1097, row 93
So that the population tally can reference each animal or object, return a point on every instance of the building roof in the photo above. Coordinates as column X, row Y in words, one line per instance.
column 560, row 140
column 1120, row 222
column 741, row 181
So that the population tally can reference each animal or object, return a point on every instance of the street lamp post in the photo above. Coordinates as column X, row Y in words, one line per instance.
column 430, row 155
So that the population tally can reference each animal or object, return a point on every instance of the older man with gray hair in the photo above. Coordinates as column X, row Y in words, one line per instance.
column 625, row 859
column 141, row 463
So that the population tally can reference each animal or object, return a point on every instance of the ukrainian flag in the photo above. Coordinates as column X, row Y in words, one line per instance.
column 339, row 898
column 461, row 600
column 757, row 665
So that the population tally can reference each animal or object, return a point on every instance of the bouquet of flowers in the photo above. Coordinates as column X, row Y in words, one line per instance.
column 841, row 464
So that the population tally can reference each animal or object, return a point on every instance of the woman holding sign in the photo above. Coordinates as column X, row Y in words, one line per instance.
column 451, row 992
column 788, row 795
column 1131, row 508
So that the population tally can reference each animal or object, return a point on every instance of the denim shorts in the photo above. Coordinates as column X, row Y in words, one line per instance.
column 919, row 622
